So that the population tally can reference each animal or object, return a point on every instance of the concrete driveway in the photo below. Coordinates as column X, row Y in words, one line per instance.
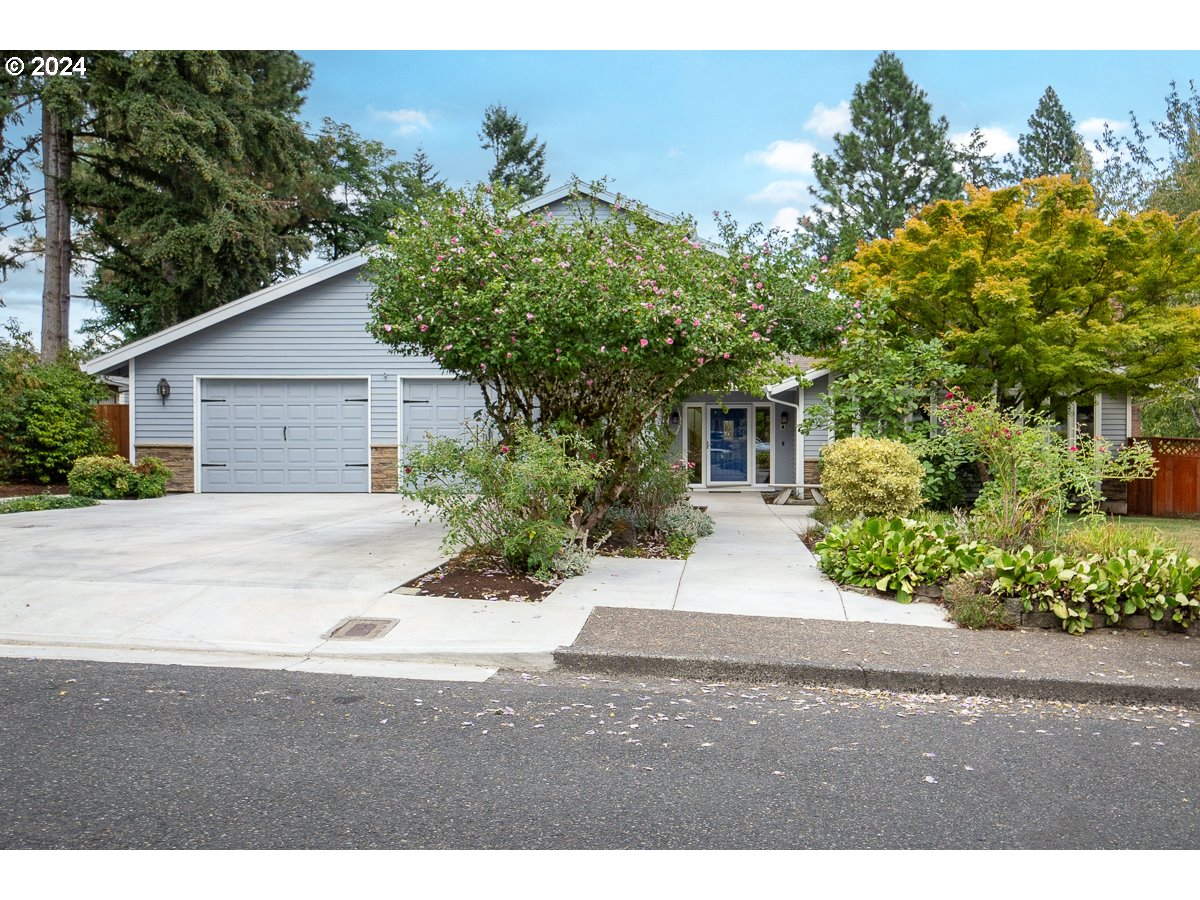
column 261, row 580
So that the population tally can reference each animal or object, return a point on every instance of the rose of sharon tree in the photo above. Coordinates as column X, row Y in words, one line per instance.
column 592, row 324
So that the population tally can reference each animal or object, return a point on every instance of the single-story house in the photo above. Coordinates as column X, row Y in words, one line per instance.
column 285, row 391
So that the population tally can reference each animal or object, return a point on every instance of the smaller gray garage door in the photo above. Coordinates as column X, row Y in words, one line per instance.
column 284, row 435
column 441, row 408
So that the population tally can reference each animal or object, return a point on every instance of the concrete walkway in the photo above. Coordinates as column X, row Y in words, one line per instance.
column 259, row 580
column 754, row 564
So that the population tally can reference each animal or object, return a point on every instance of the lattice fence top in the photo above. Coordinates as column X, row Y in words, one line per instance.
column 1175, row 446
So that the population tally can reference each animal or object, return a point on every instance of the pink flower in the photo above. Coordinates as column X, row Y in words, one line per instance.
column 536, row 260
column 624, row 349
column 824, row 258
column 643, row 342
column 812, row 277
column 497, row 230
column 589, row 382
column 424, row 327
column 696, row 322
column 529, row 316
column 448, row 347
column 508, row 355
column 440, row 257
column 670, row 340
column 603, row 349
column 725, row 356
column 758, row 285
column 1073, row 448
column 503, row 448
column 387, row 327
column 679, row 321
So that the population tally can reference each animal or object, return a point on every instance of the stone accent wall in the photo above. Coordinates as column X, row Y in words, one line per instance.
column 812, row 475
column 179, row 460
column 1116, row 497
column 383, row 470
column 1015, row 615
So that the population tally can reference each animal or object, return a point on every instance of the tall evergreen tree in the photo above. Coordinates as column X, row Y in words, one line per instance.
column 1052, row 146
column 520, row 160
column 420, row 181
column 363, row 187
column 976, row 165
column 894, row 160
column 195, row 180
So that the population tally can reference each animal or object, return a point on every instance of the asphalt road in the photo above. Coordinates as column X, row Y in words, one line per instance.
column 100, row 755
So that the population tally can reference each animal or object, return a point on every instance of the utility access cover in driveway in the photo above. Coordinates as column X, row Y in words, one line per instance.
column 362, row 629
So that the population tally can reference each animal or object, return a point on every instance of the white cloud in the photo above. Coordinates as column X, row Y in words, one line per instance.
column 778, row 192
column 784, row 156
column 1094, row 128
column 407, row 121
column 999, row 140
column 827, row 121
column 787, row 218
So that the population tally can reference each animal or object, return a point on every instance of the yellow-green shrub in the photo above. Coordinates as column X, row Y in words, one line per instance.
column 871, row 477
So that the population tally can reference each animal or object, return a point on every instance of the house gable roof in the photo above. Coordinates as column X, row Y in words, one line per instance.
column 119, row 357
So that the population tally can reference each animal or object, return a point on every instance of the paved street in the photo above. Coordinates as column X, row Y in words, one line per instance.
column 100, row 755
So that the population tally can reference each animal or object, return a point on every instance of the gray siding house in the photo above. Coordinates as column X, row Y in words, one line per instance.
column 285, row 391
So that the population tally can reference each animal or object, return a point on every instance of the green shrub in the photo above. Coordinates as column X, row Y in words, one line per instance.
column 685, row 520
column 1033, row 476
column 517, row 501
column 1161, row 584
column 971, row 603
column 680, row 546
column 40, row 502
column 114, row 478
column 658, row 482
column 897, row 555
column 46, row 414
column 871, row 477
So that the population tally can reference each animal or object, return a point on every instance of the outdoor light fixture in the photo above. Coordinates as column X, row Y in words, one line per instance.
column 783, row 418
column 164, row 390
column 673, row 422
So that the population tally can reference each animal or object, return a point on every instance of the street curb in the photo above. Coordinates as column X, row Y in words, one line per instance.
column 871, row 678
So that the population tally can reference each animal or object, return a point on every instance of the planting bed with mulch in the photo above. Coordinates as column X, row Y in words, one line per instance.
column 480, row 578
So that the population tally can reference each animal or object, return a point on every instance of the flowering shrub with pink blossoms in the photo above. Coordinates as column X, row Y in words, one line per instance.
column 1032, row 475
column 595, row 322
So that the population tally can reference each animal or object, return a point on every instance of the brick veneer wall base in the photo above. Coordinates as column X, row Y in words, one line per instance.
column 383, row 470
column 179, row 460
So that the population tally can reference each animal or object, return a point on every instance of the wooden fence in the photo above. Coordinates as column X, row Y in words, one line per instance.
column 1175, row 488
column 115, row 419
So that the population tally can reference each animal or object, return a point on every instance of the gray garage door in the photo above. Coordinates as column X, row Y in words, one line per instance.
column 284, row 435
column 440, row 408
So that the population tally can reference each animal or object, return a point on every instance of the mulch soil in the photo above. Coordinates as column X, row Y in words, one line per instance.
column 31, row 490
column 479, row 578
column 472, row 577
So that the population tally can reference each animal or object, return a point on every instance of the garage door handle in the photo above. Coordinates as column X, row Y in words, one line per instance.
column 357, row 465
column 285, row 432
column 212, row 465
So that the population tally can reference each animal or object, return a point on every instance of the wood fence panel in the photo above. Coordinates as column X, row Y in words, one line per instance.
column 1175, row 488
column 115, row 419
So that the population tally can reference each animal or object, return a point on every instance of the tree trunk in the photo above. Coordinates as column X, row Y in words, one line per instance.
column 57, row 152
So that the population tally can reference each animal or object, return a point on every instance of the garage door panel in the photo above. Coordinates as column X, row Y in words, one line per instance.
column 243, row 443
column 439, row 408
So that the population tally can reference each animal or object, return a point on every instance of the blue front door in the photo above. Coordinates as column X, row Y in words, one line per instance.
column 729, row 445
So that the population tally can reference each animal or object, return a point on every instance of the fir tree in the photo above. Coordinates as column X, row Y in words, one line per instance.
column 895, row 160
column 520, row 160
column 978, row 167
column 1051, row 147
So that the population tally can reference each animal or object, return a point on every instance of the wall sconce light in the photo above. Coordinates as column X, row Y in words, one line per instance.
column 673, row 421
column 783, row 418
column 164, row 390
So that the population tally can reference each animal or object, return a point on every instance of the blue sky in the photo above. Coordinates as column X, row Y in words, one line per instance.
column 697, row 131
column 683, row 131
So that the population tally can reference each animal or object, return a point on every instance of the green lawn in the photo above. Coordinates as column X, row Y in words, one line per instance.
column 1183, row 533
